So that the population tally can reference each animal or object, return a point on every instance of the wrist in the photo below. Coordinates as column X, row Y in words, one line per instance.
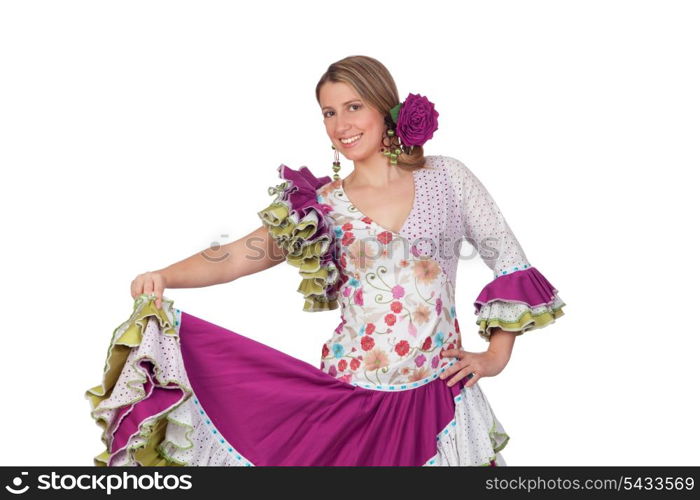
column 164, row 277
column 501, row 344
column 498, row 352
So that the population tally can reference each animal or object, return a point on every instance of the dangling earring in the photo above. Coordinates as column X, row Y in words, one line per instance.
column 386, row 150
column 336, row 164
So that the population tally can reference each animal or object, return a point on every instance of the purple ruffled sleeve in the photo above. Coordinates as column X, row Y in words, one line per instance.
column 519, row 298
column 298, row 222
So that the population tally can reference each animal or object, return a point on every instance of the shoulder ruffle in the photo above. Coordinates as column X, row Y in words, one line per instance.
column 298, row 221
column 517, row 302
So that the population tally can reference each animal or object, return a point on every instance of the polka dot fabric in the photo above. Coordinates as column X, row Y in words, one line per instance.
column 452, row 205
column 432, row 227
column 474, row 435
column 520, row 298
column 482, row 223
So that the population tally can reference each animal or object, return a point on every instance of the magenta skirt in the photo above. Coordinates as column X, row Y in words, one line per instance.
column 178, row 390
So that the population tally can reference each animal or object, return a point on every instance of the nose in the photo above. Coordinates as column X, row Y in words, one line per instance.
column 342, row 126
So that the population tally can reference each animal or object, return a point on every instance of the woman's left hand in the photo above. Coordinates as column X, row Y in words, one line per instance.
column 482, row 364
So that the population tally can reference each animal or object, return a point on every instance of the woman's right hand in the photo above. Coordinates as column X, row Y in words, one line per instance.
column 149, row 282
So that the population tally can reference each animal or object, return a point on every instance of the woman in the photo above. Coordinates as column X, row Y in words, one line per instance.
column 394, row 386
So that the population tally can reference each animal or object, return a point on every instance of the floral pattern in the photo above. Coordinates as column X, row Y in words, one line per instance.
column 396, row 289
column 398, row 313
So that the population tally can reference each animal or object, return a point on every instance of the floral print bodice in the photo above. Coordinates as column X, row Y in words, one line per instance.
column 397, row 304
column 396, row 291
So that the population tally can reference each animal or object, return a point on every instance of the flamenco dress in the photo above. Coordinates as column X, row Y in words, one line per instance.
column 179, row 390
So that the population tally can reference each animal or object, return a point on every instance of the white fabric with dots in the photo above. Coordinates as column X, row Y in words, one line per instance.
column 474, row 434
column 190, row 440
column 482, row 223
column 512, row 312
column 432, row 226
column 164, row 352
column 451, row 205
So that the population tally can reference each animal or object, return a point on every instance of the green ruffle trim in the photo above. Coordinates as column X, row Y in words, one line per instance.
column 124, row 338
column 302, row 252
column 526, row 322
column 499, row 440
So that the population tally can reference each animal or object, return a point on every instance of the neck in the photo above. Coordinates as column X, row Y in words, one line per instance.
column 374, row 171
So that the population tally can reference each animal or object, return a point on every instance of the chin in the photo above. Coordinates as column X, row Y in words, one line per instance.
column 358, row 155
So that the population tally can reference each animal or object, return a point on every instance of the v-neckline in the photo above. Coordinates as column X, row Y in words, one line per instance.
column 408, row 217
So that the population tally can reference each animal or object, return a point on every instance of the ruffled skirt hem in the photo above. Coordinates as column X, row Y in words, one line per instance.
column 178, row 390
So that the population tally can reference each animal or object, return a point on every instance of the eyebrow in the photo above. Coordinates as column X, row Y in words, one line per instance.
column 346, row 102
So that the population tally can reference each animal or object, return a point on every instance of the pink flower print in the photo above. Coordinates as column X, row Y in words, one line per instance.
column 418, row 374
column 390, row 319
column 366, row 220
column 325, row 207
column 384, row 237
column 427, row 344
column 426, row 270
column 396, row 307
column 435, row 361
column 348, row 239
column 438, row 306
column 347, row 226
column 342, row 365
column 415, row 251
column 332, row 371
column 367, row 342
column 354, row 364
column 369, row 329
column 456, row 325
column 376, row 359
column 358, row 297
column 412, row 330
column 346, row 378
column 421, row 314
column 420, row 360
column 361, row 255
column 325, row 351
column 340, row 326
column 402, row 348
column 398, row 291
column 347, row 291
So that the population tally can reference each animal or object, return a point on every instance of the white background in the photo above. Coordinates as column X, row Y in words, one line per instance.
column 136, row 133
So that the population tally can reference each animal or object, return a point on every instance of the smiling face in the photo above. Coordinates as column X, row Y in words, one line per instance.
column 346, row 116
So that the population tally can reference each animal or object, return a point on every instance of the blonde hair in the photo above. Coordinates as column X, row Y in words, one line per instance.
column 375, row 85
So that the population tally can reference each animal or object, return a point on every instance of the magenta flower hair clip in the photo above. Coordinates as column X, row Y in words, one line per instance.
column 415, row 120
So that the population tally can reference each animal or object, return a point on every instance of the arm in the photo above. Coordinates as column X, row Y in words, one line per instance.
column 250, row 254
column 501, row 344
column 519, row 298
